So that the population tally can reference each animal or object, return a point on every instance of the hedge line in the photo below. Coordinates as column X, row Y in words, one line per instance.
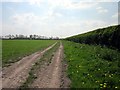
column 109, row 36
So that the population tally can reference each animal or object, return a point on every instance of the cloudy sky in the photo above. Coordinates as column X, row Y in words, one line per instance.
column 60, row 18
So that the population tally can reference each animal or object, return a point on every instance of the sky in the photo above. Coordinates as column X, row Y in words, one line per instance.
column 58, row 18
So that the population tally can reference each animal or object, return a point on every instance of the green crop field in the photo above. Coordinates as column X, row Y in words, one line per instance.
column 13, row 50
column 92, row 66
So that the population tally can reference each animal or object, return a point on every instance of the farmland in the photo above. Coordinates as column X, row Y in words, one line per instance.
column 92, row 60
column 92, row 66
column 14, row 50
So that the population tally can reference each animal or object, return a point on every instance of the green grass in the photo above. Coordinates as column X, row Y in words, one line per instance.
column 47, row 57
column 92, row 66
column 14, row 50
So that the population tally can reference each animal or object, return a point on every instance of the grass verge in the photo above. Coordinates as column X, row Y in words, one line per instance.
column 92, row 66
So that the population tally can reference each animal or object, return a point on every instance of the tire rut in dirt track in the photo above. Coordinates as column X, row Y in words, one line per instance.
column 50, row 76
column 16, row 74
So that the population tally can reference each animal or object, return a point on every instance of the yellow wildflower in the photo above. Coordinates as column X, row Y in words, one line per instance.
column 101, row 84
column 83, row 83
column 105, row 83
column 109, row 75
column 104, row 86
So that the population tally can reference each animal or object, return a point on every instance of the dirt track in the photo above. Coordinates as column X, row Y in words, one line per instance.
column 50, row 76
column 15, row 75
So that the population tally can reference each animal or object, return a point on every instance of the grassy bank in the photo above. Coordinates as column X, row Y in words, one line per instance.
column 13, row 50
column 92, row 66
column 108, row 36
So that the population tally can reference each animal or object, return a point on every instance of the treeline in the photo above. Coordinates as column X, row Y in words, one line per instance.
column 109, row 36
column 29, row 37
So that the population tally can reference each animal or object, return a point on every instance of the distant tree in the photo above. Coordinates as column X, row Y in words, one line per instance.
column 30, row 36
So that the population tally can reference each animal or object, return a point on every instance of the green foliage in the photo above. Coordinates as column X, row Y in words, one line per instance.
column 92, row 66
column 14, row 50
column 109, row 36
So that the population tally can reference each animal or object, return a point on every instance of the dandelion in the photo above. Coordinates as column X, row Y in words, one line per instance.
column 116, row 87
column 88, row 74
column 104, row 86
column 105, row 83
column 105, row 74
column 99, row 69
column 96, row 81
column 77, row 71
column 109, row 75
column 83, row 82
column 101, row 84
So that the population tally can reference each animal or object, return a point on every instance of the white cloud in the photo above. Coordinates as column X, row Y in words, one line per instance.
column 107, row 0
column 35, row 2
column 22, row 19
column 38, row 1
column 53, row 22
column 77, row 27
column 11, row 0
column 116, row 15
column 31, row 18
column 29, row 23
column 81, row 5
column 52, row 13
column 67, row 4
column 101, row 10
column 58, row 14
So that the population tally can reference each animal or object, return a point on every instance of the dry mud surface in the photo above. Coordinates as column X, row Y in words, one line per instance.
column 52, row 76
